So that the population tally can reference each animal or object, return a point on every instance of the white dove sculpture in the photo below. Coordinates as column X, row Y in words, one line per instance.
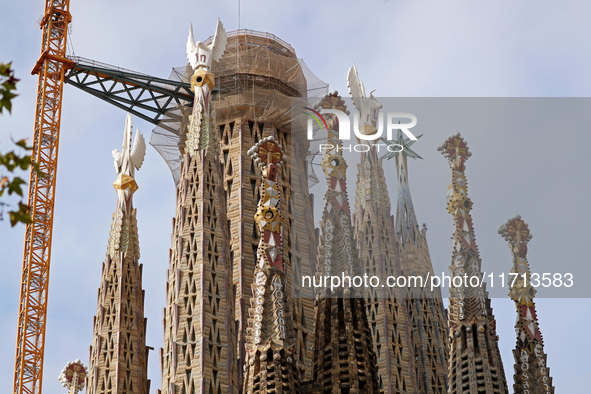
column 201, row 55
column 368, row 107
column 130, row 159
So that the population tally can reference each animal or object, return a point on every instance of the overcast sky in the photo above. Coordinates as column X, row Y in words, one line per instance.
column 451, row 48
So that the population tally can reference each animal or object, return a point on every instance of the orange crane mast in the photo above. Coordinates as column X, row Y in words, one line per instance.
column 51, row 67
column 152, row 99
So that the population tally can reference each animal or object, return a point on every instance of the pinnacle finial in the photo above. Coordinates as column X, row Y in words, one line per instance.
column 367, row 106
column 73, row 376
column 515, row 231
column 402, row 145
column 202, row 56
column 332, row 101
column 130, row 159
column 455, row 147
column 333, row 162
column 267, row 151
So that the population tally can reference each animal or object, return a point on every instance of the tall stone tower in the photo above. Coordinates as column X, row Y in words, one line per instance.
column 426, row 313
column 246, row 94
column 532, row 374
column 270, row 342
column 475, row 364
column 256, row 79
column 199, row 338
column 344, row 359
column 118, row 354
column 378, row 253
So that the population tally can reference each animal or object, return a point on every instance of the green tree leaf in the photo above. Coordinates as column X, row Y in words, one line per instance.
column 13, row 160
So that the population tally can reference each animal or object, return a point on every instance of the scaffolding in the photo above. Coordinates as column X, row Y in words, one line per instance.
column 258, row 77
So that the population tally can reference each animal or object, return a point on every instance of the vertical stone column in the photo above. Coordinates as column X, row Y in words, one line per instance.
column 344, row 358
column 118, row 354
column 426, row 313
column 475, row 363
column 378, row 254
column 532, row 374
column 199, row 354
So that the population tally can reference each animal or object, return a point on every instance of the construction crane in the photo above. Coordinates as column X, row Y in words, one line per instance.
column 51, row 67
column 137, row 93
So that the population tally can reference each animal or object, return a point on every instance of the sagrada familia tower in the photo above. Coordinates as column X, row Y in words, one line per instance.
column 118, row 354
column 234, row 321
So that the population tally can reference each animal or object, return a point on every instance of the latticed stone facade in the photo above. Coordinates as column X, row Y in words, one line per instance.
column 257, row 77
column 475, row 364
column 378, row 255
column 252, row 105
column 199, row 338
column 426, row 313
column 242, row 180
column 199, row 346
column 118, row 354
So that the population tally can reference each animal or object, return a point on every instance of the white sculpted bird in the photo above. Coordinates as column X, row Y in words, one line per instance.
column 201, row 55
column 368, row 107
column 130, row 159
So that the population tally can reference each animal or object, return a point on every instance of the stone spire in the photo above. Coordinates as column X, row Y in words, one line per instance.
column 475, row 363
column 378, row 255
column 118, row 354
column 73, row 377
column 344, row 359
column 531, row 372
column 426, row 312
column 270, row 366
column 199, row 337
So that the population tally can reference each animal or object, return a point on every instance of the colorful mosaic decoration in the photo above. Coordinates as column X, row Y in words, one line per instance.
column 270, row 364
